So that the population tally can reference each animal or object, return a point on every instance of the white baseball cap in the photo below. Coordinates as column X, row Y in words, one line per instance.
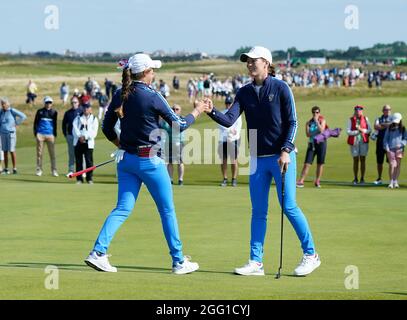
column 140, row 62
column 257, row 52
column 396, row 117
column 48, row 99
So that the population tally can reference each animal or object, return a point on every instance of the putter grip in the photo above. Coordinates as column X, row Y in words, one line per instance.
column 75, row 174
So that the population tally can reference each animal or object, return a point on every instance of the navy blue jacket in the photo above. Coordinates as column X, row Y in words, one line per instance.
column 140, row 124
column 69, row 117
column 272, row 114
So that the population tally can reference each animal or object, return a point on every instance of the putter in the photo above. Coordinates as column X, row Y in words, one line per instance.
column 278, row 275
column 78, row 173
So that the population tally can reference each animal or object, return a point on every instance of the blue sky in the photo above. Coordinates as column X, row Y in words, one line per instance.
column 213, row 26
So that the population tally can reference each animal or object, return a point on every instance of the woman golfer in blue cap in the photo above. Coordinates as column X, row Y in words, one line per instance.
column 270, row 111
column 139, row 107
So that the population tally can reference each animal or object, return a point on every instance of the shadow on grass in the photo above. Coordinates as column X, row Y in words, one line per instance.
column 350, row 184
column 109, row 179
column 396, row 293
column 43, row 265
column 290, row 275
column 84, row 267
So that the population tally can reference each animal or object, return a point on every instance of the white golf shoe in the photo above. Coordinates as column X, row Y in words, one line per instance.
column 308, row 264
column 99, row 262
column 252, row 268
column 186, row 267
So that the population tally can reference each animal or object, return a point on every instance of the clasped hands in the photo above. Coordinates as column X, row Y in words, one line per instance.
column 205, row 105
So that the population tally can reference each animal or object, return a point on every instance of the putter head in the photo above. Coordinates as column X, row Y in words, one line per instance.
column 278, row 274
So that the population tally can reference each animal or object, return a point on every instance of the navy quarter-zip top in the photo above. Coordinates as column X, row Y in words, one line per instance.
column 271, row 113
column 142, row 111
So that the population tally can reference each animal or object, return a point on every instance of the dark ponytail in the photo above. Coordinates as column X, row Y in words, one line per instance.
column 402, row 128
column 126, row 83
column 272, row 70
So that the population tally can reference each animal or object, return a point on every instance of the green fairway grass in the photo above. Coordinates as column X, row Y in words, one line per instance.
column 47, row 221
column 55, row 223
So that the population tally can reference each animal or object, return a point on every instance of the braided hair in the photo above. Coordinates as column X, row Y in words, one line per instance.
column 127, row 79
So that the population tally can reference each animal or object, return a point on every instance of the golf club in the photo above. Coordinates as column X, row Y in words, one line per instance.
column 78, row 173
column 278, row 275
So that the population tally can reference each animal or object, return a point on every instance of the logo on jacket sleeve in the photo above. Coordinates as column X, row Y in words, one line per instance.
column 271, row 96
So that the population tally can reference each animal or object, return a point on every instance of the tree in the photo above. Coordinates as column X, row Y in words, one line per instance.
column 241, row 50
column 293, row 51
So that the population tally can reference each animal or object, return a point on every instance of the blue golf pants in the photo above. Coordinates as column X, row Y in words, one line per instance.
column 132, row 171
column 263, row 170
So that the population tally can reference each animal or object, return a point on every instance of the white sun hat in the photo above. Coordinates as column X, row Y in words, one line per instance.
column 141, row 61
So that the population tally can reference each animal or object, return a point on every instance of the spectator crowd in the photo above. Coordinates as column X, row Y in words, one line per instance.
column 80, row 125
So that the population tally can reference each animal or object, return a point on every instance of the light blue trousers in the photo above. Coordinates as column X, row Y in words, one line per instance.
column 263, row 170
column 132, row 171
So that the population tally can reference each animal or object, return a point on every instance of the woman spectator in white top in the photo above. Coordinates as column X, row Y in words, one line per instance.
column 394, row 142
column 85, row 129
column 10, row 118
column 191, row 88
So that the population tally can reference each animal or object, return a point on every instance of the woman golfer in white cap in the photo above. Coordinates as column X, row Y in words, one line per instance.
column 269, row 107
column 139, row 107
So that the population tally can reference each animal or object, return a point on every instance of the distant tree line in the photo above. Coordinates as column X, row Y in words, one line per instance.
column 379, row 51
column 89, row 57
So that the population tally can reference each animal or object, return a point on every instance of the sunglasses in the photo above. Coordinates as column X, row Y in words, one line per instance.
column 176, row 109
column 315, row 111
column 386, row 109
